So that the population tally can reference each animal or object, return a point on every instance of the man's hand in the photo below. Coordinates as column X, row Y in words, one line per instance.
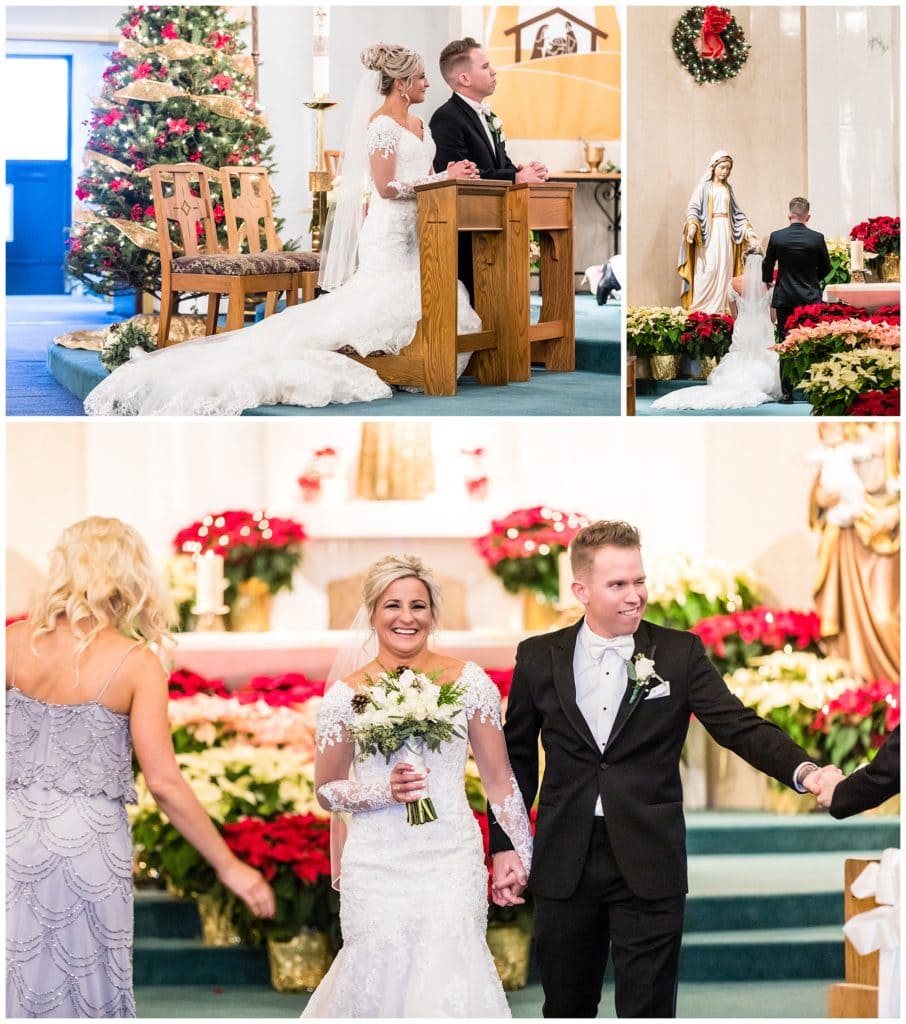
column 509, row 879
column 531, row 173
column 822, row 783
column 825, row 782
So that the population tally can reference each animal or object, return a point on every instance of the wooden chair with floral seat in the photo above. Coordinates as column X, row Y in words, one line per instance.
column 247, row 201
column 182, row 204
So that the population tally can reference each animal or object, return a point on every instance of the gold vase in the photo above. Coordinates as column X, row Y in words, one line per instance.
column 708, row 365
column 538, row 613
column 664, row 367
column 510, row 946
column 216, row 910
column 299, row 964
column 889, row 267
column 251, row 611
column 780, row 800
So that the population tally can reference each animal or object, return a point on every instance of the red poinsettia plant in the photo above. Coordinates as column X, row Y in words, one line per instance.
column 876, row 403
column 827, row 312
column 707, row 334
column 733, row 640
column 253, row 544
column 523, row 548
column 849, row 729
column 280, row 691
column 879, row 234
column 293, row 854
column 183, row 684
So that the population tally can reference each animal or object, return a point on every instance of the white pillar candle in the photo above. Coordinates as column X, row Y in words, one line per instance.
column 209, row 583
column 320, row 53
column 856, row 255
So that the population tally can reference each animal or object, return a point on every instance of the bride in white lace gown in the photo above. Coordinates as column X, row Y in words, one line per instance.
column 294, row 357
column 749, row 374
column 413, row 899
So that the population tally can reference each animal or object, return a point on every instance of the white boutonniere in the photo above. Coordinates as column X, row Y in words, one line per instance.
column 496, row 128
column 642, row 672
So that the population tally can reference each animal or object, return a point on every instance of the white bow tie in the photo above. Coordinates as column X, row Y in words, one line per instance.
column 485, row 110
column 598, row 646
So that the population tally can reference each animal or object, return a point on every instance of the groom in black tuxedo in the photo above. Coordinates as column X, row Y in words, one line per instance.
column 465, row 128
column 611, row 698
column 802, row 264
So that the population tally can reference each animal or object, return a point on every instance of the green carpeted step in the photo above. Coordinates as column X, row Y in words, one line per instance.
column 762, row 955
column 771, row 910
column 718, row 832
column 187, row 962
column 158, row 915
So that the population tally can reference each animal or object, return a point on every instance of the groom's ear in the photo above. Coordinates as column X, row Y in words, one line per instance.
column 580, row 590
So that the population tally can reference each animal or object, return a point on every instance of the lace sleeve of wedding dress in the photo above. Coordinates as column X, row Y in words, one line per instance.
column 489, row 748
column 333, row 760
column 382, row 142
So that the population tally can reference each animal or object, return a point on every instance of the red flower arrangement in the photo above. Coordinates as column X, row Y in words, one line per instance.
column 707, row 334
column 827, row 312
column 879, row 234
column 876, row 403
column 253, row 544
column 732, row 640
column 523, row 547
column 293, row 854
column 280, row 691
column 849, row 729
column 183, row 683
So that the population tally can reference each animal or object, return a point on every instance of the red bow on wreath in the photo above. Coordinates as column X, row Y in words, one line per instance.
column 715, row 21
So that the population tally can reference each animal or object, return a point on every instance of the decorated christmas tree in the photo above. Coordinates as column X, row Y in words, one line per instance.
column 179, row 88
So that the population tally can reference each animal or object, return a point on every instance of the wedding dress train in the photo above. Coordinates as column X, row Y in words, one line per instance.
column 749, row 374
column 414, row 898
column 295, row 357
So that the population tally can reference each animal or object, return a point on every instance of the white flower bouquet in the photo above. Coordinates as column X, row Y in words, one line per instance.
column 406, row 710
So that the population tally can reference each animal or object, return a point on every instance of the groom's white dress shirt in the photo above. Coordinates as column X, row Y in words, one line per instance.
column 600, row 684
column 484, row 112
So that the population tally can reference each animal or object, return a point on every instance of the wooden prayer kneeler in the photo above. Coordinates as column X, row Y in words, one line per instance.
column 444, row 209
column 548, row 209
column 858, row 995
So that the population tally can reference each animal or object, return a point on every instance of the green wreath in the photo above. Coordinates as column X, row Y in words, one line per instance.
column 709, row 69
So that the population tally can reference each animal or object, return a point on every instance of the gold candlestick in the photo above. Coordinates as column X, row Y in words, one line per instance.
column 319, row 179
column 210, row 621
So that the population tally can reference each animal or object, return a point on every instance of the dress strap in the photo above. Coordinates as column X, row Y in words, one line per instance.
column 117, row 667
column 12, row 668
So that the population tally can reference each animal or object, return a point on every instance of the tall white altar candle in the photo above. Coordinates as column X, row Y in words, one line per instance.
column 856, row 255
column 320, row 62
column 209, row 583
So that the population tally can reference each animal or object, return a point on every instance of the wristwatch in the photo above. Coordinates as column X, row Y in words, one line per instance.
column 802, row 773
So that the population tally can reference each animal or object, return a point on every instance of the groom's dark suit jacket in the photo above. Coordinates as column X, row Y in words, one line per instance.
column 459, row 134
column 637, row 776
column 803, row 262
column 872, row 785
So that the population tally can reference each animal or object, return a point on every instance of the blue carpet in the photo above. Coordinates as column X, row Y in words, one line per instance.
column 44, row 379
column 648, row 391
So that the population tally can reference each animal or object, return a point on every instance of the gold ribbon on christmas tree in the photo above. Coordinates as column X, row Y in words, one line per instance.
column 136, row 234
column 154, row 92
column 91, row 157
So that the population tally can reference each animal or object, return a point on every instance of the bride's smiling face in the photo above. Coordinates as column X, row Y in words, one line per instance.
column 418, row 86
column 402, row 619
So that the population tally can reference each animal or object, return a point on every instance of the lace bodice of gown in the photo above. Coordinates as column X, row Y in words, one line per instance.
column 415, row 897
column 294, row 357
column 82, row 749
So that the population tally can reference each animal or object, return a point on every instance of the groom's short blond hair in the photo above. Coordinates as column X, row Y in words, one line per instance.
column 799, row 206
column 613, row 533
column 455, row 56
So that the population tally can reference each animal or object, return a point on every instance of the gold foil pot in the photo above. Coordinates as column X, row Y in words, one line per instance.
column 510, row 946
column 251, row 611
column 299, row 964
column 215, row 909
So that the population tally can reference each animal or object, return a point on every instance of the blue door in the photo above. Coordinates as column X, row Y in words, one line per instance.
column 38, row 173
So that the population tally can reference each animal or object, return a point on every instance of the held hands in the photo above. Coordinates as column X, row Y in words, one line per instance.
column 509, row 879
column 406, row 784
column 462, row 169
column 822, row 784
column 249, row 886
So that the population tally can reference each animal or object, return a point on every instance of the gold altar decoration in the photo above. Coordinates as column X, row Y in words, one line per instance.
column 857, row 588
column 216, row 911
column 299, row 964
column 538, row 613
column 510, row 946
column 319, row 180
column 395, row 462
column 251, row 611
column 182, row 328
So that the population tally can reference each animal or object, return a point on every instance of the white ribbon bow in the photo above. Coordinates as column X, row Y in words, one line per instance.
column 598, row 646
column 878, row 929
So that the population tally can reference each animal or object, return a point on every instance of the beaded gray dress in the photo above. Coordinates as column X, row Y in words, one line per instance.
column 68, row 859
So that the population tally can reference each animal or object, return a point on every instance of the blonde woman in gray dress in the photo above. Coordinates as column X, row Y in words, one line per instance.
column 84, row 687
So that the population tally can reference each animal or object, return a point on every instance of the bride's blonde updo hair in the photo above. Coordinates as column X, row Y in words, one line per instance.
column 395, row 63
column 102, row 576
column 399, row 567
